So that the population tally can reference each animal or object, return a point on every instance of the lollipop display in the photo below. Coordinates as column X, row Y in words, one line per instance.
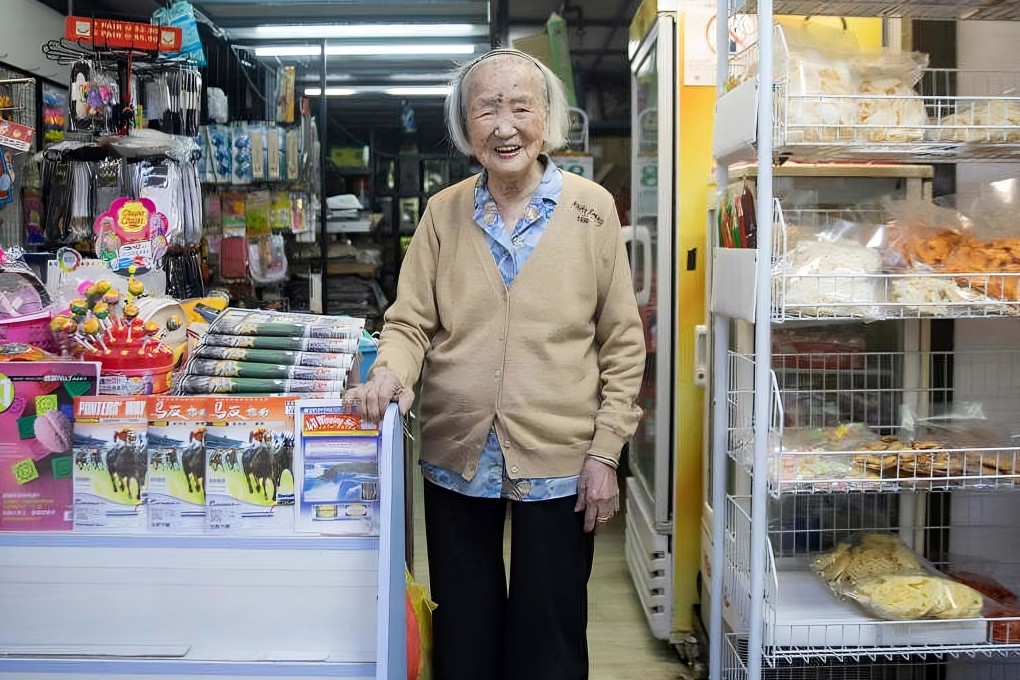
column 97, row 327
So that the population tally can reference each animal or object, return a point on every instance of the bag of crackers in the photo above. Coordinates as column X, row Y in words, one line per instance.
column 889, row 581
column 1001, row 605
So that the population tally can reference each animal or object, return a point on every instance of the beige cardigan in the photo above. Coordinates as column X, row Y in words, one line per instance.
column 554, row 362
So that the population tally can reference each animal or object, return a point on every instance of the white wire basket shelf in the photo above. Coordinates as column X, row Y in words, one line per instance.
column 946, row 116
column 842, row 278
column 846, row 422
column 805, row 622
column 993, row 10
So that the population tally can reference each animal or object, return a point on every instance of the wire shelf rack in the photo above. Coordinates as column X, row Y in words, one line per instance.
column 17, row 104
column 947, row 116
column 844, row 422
column 735, row 668
column 999, row 10
column 842, row 278
column 806, row 623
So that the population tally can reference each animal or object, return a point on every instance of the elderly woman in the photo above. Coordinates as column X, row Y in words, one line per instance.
column 515, row 307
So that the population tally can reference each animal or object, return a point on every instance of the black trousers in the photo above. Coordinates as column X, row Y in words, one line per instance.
column 537, row 631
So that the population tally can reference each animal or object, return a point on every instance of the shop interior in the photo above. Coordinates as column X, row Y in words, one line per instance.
column 204, row 208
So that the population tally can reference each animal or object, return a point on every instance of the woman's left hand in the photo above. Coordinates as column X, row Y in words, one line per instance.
column 598, row 494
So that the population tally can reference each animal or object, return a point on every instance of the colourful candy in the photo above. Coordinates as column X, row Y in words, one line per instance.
column 91, row 326
column 173, row 323
column 136, row 287
column 111, row 297
column 101, row 310
column 59, row 323
column 79, row 307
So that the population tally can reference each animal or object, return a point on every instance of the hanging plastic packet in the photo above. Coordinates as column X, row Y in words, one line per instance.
column 220, row 153
column 108, row 177
column 298, row 210
column 81, row 213
column 217, row 105
column 182, row 15
column 267, row 259
column 6, row 180
column 160, row 182
column 193, row 204
column 257, row 214
column 279, row 210
column 258, row 153
column 193, row 100
column 213, row 213
column 292, row 146
column 242, row 155
column 33, row 207
column 234, row 219
column 274, row 153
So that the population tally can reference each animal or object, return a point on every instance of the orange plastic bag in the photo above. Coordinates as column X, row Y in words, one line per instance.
column 419, row 630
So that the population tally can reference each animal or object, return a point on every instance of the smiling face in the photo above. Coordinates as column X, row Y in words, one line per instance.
column 506, row 116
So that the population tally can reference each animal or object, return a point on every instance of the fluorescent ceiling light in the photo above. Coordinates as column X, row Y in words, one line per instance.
column 330, row 91
column 408, row 91
column 438, row 90
column 410, row 77
column 288, row 51
column 369, row 31
column 368, row 50
column 362, row 50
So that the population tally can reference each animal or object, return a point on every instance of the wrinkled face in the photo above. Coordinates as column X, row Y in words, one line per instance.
column 506, row 115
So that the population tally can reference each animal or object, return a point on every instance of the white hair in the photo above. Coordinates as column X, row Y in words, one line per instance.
column 557, row 114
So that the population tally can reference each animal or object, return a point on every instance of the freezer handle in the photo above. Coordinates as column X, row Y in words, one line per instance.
column 701, row 356
column 642, row 238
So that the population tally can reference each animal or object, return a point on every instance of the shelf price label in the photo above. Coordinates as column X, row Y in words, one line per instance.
column 122, row 34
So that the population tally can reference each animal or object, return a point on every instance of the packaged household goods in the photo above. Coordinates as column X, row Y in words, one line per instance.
column 342, row 362
column 820, row 348
column 972, row 236
column 840, row 91
column 889, row 108
column 337, row 470
column 110, row 463
column 249, row 477
column 312, row 345
column 176, row 480
column 833, row 273
column 288, row 325
column 204, row 384
column 975, row 120
column 1000, row 604
column 36, row 416
column 247, row 369
column 889, row 581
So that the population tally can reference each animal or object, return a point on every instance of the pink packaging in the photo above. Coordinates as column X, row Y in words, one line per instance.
column 33, row 329
column 36, row 418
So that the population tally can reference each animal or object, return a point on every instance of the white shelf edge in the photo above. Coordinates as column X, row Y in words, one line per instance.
column 64, row 539
column 177, row 667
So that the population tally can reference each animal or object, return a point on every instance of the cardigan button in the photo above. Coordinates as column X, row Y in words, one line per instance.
column 515, row 469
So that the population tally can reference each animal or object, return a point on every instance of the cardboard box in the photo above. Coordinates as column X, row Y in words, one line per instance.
column 36, row 464
column 110, row 464
column 175, row 489
column 249, row 471
column 336, row 458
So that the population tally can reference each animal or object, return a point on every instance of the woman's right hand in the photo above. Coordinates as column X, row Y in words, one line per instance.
column 374, row 396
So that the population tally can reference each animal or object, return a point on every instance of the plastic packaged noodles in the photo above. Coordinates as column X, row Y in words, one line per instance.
column 889, row 581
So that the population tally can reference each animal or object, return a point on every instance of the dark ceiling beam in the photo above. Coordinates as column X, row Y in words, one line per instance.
column 499, row 26
column 623, row 11
column 536, row 22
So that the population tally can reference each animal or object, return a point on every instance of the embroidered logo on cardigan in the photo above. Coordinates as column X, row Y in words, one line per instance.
column 587, row 214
